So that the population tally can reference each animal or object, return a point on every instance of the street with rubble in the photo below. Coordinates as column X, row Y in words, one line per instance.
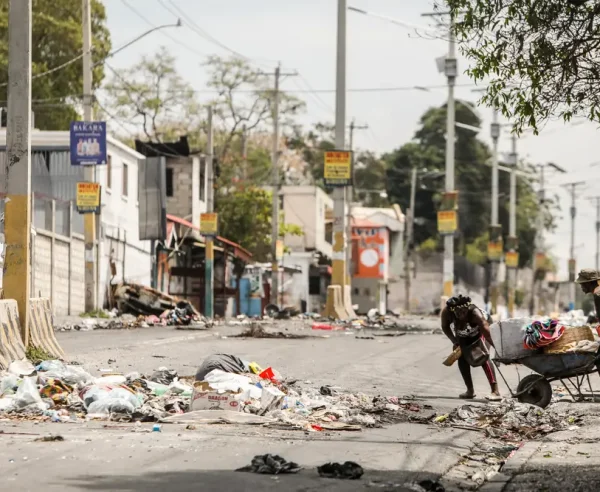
column 431, row 449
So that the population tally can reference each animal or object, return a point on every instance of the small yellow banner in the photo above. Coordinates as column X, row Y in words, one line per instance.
column 279, row 250
column 88, row 198
column 209, row 224
column 495, row 250
column 337, row 170
column 447, row 221
column 540, row 261
column 511, row 258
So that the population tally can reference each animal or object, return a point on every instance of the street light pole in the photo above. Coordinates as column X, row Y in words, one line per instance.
column 512, row 229
column 573, row 187
column 495, row 230
column 450, row 69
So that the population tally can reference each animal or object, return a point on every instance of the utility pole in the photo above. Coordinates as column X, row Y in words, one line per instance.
column 340, row 308
column 597, row 198
column 512, row 229
column 276, row 188
column 409, row 239
column 351, row 197
column 450, row 70
column 495, row 234
column 573, row 188
column 89, row 219
column 209, row 273
column 17, row 223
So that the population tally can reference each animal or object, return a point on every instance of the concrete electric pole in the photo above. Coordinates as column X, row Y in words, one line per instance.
column 573, row 189
column 276, row 188
column 512, row 230
column 351, row 197
column 495, row 234
column 89, row 173
column 209, row 272
column 17, row 201
column 409, row 239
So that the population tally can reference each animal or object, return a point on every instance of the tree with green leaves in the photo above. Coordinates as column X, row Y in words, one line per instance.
column 57, row 40
column 473, row 177
column 540, row 59
column 153, row 96
column 245, row 217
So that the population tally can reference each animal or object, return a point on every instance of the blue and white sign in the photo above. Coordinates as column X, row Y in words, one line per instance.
column 88, row 143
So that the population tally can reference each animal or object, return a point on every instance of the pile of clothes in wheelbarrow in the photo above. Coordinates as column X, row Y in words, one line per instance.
column 540, row 334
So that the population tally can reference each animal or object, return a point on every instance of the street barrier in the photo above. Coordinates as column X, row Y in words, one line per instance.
column 41, row 331
column 335, row 303
column 11, row 343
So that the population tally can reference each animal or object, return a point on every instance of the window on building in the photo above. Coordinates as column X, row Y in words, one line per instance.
column 202, row 180
column 125, row 179
column 169, row 184
column 109, row 172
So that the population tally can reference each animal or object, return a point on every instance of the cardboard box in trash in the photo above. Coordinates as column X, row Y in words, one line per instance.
column 204, row 397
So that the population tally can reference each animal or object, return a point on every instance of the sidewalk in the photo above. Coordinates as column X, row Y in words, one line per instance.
column 566, row 460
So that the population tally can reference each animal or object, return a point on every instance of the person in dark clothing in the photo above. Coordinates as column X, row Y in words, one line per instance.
column 589, row 281
column 464, row 323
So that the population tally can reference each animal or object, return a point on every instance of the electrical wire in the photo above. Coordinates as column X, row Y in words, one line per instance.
column 167, row 35
column 204, row 34
column 100, row 62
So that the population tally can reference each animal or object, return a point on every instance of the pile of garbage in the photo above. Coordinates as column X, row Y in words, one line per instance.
column 509, row 420
column 67, row 393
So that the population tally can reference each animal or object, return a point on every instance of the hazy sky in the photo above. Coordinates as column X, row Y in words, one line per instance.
column 301, row 34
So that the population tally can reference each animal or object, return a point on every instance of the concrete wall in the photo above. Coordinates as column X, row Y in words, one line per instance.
column 306, row 207
column 59, row 270
column 189, row 188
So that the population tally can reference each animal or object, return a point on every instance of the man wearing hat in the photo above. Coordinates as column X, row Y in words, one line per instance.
column 588, row 279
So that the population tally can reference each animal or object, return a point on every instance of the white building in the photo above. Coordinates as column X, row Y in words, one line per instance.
column 57, row 228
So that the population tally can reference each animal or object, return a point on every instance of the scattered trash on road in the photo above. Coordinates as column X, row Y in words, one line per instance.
column 50, row 439
column 349, row 470
column 269, row 464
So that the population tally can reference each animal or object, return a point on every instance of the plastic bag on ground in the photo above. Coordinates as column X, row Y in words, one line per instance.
column 107, row 406
column 21, row 368
column 226, row 381
column 99, row 394
column 72, row 375
column 27, row 394
column 9, row 384
column 6, row 403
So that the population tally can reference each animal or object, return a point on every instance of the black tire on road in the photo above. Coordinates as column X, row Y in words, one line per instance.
column 539, row 390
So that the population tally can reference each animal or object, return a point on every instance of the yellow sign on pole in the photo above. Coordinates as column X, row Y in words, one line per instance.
column 209, row 224
column 540, row 261
column 88, row 198
column 494, row 250
column 279, row 250
column 511, row 259
column 337, row 170
column 447, row 221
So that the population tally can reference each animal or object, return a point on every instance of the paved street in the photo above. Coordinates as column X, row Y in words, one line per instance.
column 128, row 457
column 113, row 456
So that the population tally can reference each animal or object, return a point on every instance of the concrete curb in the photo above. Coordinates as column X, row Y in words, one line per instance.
column 513, row 465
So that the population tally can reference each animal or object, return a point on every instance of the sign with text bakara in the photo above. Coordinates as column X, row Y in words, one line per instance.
column 88, row 198
column 337, row 169
column 88, row 143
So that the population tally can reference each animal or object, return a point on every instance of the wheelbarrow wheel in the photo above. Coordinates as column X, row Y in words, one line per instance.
column 539, row 390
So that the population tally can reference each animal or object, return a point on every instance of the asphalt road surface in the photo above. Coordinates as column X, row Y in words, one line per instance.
column 128, row 457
